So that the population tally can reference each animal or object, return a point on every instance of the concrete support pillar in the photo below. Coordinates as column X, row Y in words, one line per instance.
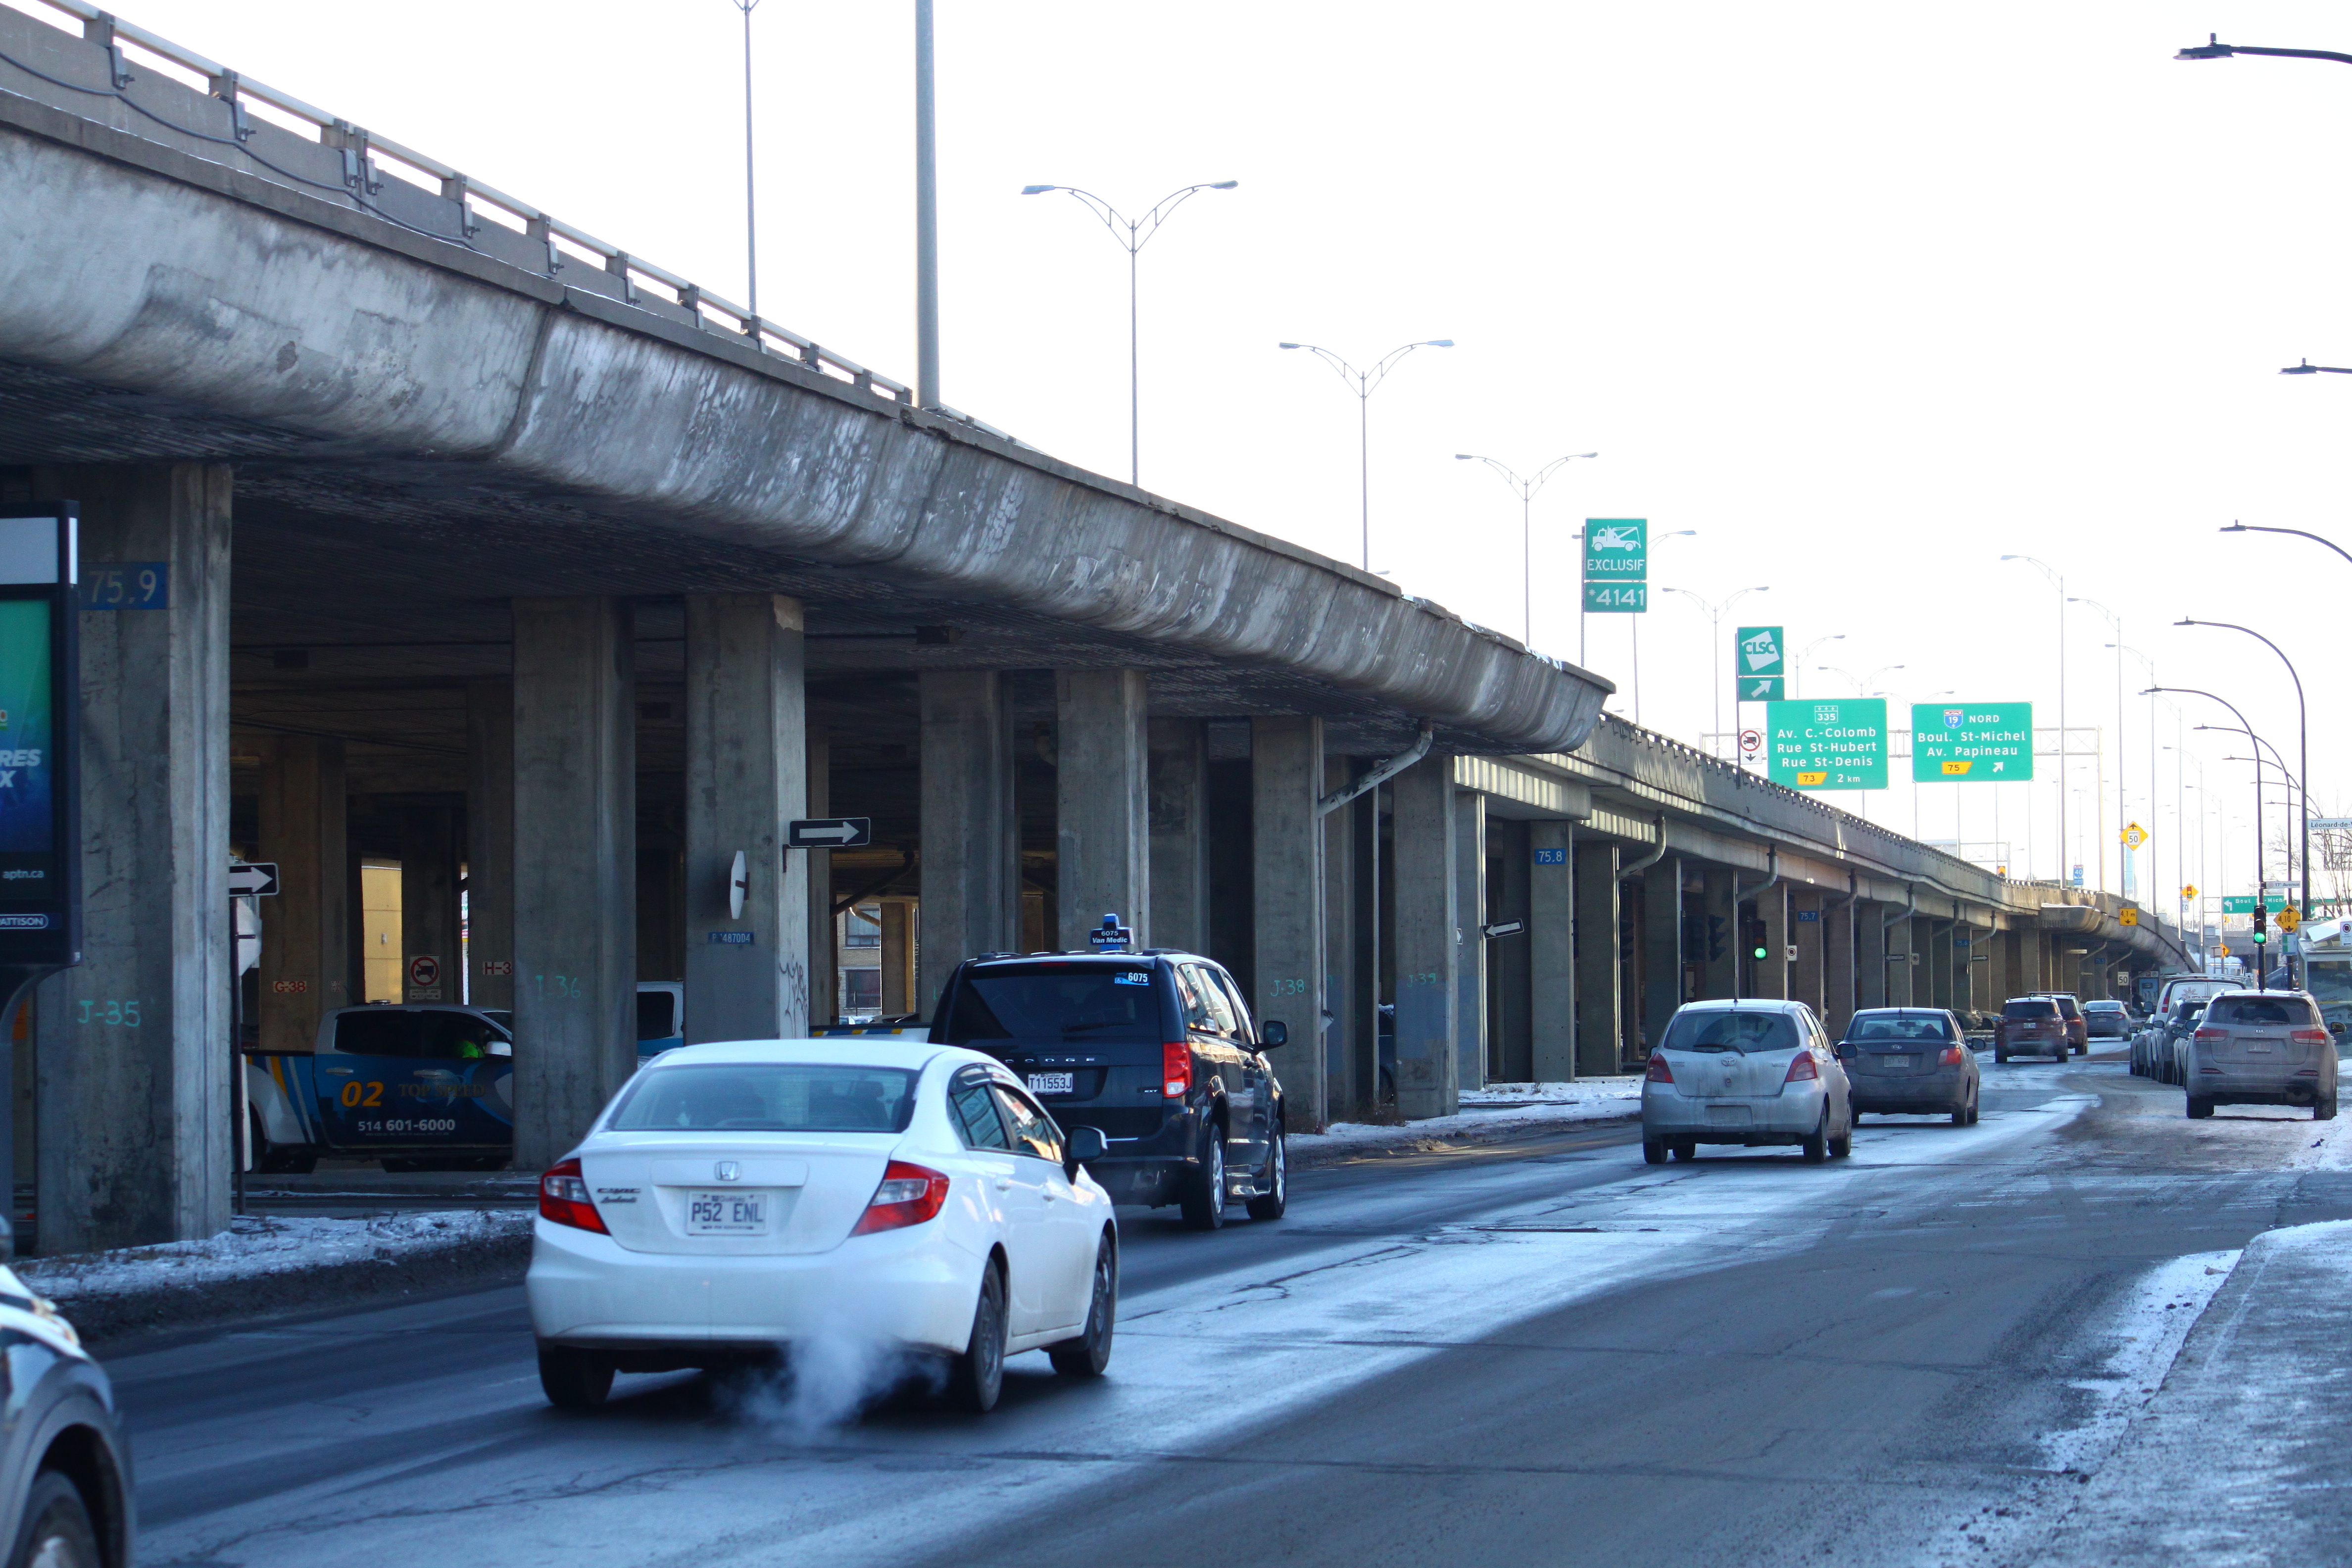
column 1343, row 980
column 1103, row 837
column 576, row 809
column 131, row 1048
column 1599, row 1006
column 306, row 936
column 1870, row 965
column 1721, row 935
column 897, row 957
column 428, row 903
column 823, row 957
column 1662, row 935
column 1365, row 872
column 1939, row 963
column 1806, row 970
column 1551, row 951
column 1838, row 989
column 490, row 841
column 1179, row 810
column 1287, row 893
column 1773, row 969
column 1470, row 1022
column 746, row 975
column 1426, row 952
column 971, row 838
column 1900, row 969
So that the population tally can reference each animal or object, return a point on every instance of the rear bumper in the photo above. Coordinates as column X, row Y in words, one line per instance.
column 2240, row 1088
column 904, row 1287
column 1787, row 1116
column 1146, row 1170
column 1945, row 1088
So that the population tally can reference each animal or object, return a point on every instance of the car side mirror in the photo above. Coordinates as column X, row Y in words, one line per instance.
column 1844, row 1051
column 498, row 1049
column 1271, row 1033
column 1083, row 1144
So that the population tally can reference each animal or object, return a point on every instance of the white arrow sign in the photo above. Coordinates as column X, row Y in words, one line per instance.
column 829, row 833
column 252, row 878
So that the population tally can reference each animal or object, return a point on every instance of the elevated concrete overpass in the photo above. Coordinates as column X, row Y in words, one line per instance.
column 506, row 568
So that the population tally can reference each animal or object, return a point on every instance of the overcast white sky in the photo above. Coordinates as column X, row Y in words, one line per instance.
column 1866, row 294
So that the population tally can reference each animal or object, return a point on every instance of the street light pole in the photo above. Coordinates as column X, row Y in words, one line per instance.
column 751, row 189
column 1797, row 670
column 926, row 216
column 1363, row 383
column 1138, row 233
column 1526, row 490
column 2122, row 812
column 2262, row 974
column 2303, row 751
column 2059, row 582
column 1715, row 637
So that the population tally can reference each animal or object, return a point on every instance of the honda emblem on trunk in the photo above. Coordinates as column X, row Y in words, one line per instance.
column 727, row 1171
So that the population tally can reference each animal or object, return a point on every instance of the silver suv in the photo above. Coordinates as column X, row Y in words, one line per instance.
column 2261, row 1047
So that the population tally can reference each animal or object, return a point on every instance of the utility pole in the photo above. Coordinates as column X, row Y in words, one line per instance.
column 927, row 217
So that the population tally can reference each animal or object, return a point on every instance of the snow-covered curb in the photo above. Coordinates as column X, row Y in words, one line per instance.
column 1498, row 1111
column 262, row 1265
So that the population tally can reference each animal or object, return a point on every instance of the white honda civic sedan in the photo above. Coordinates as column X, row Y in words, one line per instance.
column 884, row 1194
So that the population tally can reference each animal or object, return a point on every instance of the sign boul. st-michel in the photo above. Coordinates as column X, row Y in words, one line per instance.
column 1971, row 743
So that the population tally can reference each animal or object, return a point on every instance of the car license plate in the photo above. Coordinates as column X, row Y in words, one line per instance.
column 1896, row 1061
column 1052, row 1083
column 726, row 1214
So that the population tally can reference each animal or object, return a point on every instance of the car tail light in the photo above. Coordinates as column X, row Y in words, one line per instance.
column 1954, row 1056
column 1802, row 1069
column 2212, row 1033
column 563, row 1198
column 908, row 1195
column 1176, row 1070
column 2310, row 1037
column 1659, row 1072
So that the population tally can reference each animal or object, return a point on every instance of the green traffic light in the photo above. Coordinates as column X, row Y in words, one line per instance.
column 2261, row 936
column 1759, row 952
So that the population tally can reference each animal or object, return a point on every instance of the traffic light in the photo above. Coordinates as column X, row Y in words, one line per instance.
column 1760, row 952
column 1715, row 939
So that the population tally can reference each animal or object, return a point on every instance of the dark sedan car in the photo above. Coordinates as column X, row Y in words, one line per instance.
column 2107, row 1020
column 1910, row 1061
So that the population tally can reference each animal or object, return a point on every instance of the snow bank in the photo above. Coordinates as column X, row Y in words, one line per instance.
column 1497, row 1108
column 254, row 1247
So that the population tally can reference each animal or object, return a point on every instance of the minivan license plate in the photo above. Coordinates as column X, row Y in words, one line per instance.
column 1052, row 1082
column 726, row 1214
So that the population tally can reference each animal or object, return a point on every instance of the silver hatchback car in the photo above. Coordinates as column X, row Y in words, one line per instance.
column 2261, row 1047
column 1753, row 1072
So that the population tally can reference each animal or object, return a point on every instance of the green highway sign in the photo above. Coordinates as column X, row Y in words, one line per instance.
column 1835, row 744
column 1971, row 743
column 1616, row 550
column 2244, row 903
column 1760, row 689
column 1760, row 651
column 1616, row 598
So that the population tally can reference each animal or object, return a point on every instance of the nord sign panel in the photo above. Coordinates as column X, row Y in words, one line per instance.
column 1971, row 743
column 1838, row 744
column 1760, row 665
column 1616, row 565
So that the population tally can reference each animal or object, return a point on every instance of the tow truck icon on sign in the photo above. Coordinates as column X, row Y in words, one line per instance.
column 1616, row 539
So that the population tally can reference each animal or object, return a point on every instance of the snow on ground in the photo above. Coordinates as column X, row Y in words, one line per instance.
column 1499, row 1105
column 255, row 1247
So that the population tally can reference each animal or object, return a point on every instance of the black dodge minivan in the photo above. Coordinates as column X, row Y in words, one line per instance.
column 1155, row 1049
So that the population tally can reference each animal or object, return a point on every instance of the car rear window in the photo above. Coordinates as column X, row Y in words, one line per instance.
column 2029, row 1009
column 1061, row 1002
column 766, row 1096
column 1730, row 1029
column 2068, row 1007
column 2103, row 1007
column 2290, row 1012
column 1868, row 1029
column 657, row 1014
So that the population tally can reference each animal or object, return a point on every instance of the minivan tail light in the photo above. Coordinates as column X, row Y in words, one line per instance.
column 563, row 1198
column 1659, row 1072
column 1802, row 1069
column 1176, row 1070
column 907, row 1194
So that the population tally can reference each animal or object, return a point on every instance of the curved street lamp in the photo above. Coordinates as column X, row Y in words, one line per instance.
column 2299, row 533
column 1132, row 234
column 2123, row 816
column 1796, row 686
column 1363, row 383
column 1526, row 490
column 1715, row 637
column 2059, row 582
column 2261, row 972
column 2303, row 746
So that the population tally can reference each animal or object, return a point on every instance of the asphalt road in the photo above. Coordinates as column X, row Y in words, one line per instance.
column 1536, row 1352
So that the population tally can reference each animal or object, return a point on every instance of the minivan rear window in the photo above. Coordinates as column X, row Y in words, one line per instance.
column 2029, row 1009
column 1730, row 1029
column 2288, row 1012
column 766, row 1096
column 1089, row 1001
